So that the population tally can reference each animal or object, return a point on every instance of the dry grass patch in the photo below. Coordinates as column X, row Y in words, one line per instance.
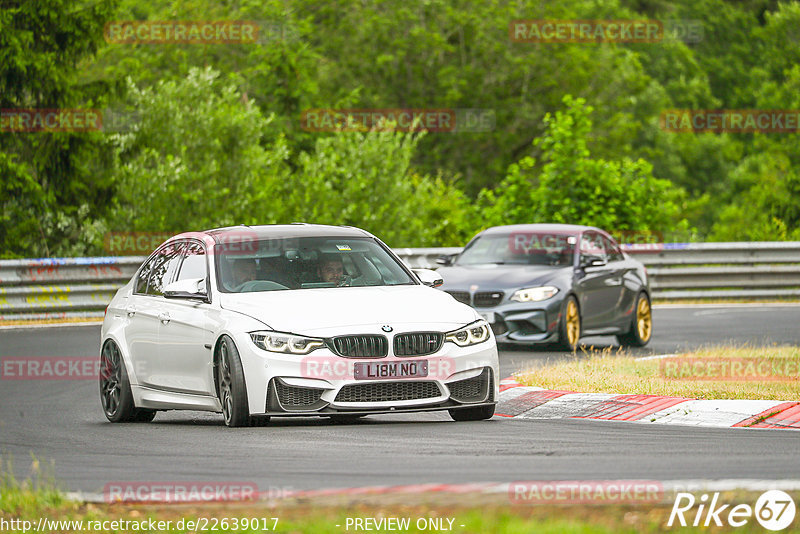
column 621, row 373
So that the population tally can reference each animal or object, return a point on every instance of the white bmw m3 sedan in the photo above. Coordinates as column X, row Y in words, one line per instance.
column 291, row 320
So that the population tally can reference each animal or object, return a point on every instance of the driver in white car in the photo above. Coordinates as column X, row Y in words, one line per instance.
column 243, row 270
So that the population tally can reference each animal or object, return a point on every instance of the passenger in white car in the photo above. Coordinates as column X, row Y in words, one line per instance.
column 331, row 270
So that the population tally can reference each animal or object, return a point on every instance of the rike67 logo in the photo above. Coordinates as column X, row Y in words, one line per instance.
column 774, row 510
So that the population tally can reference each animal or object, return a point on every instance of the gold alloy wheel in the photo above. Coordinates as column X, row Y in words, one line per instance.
column 573, row 323
column 644, row 319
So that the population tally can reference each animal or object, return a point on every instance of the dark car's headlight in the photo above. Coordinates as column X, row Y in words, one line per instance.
column 472, row 334
column 286, row 343
column 534, row 294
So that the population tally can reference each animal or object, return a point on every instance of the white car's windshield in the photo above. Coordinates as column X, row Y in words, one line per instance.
column 305, row 263
column 521, row 248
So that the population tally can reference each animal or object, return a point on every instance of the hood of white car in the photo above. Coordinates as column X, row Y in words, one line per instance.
column 331, row 311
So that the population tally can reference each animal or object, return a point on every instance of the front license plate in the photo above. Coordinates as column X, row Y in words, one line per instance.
column 388, row 370
column 488, row 316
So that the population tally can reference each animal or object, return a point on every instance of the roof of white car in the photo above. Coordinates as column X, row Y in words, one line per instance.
column 268, row 231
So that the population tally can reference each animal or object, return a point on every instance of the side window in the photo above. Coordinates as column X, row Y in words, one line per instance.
column 592, row 245
column 194, row 262
column 166, row 263
column 614, row 254
column 144, row 274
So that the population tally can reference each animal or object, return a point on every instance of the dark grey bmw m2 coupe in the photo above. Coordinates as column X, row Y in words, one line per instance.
column 551, row 283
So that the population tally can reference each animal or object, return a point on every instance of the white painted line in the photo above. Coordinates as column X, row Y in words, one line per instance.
column 513, row 393
column 731, row 305
column 731, row 485
column 655, row 357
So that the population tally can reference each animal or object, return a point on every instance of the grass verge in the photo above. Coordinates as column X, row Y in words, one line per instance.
column 621, row 373
column 462, row 513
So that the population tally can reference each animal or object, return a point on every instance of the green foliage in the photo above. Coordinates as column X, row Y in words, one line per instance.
column 220, row 142
column 204, row 156
column 367, row 180
column 201, row 156
column 53, row 184
column 32, row 495
column 573, row 187
column 767, row 208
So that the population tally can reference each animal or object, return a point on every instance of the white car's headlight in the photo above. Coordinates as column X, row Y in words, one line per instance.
column 472, row 334
column 287, row 343
column 534, row 294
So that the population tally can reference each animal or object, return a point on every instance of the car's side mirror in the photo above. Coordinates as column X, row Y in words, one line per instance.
column 446, row 260
column 193, row 288
column 428, row 277
column 590, row 260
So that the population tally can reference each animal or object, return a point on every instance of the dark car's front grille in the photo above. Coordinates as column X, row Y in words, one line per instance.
column 417, row 343
column 473, row 389
column 361, row 346
column 388, row 391
column 487, row 299
column 293, row 396
column 460, row 296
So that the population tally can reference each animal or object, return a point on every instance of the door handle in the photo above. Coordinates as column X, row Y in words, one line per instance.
column 163, row 317
column 131, row 311
column 614, row 281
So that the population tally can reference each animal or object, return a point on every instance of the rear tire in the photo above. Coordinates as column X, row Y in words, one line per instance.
column 115, row 389
column 479, row 413
column 641, row 324
column 569, row 328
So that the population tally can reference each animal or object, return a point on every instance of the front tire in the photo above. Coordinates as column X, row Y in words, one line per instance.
column 569, row 328
column 479, row 413
column 232, row 387
column 641, row 325
column 115, row 389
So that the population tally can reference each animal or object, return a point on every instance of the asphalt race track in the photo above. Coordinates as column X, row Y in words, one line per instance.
column 62, row 425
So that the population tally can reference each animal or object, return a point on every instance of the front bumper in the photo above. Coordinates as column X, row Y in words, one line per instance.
column 524, row 322
column 323, row 383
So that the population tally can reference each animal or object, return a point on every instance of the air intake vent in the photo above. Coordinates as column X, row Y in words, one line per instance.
column 294, row 397
column 388, row 391
column 474, row 389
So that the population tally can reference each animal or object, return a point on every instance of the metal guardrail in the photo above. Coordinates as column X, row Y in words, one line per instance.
column 82, row 287
column 61, row 288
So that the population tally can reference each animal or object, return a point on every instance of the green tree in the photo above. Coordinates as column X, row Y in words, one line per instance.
column 367, row 180
column 55, row 185
column 197, row 158
column 575, row 188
